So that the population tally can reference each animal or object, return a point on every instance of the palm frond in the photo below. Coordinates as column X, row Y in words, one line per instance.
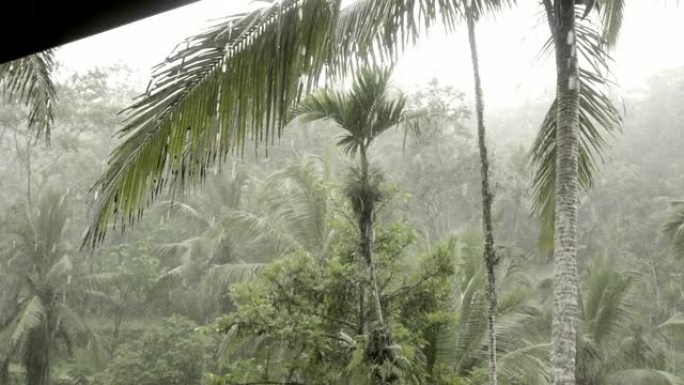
column 32, row 316
column 97, row 280
column 172, row 278
column 255, row 227
column 599, row 119
column 59, row 271
column 643, row 377
column 365, row 111
column 526, row 365
column 612, row 13
column 186, row 210
column 29, row 80
column 237, row 80
column 298, row 198
column 673, row 229
column 219, row 278
column 74, row 325
column 605, row 306
column 674, row 323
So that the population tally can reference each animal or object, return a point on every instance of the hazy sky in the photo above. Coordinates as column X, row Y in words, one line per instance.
column 650, row 41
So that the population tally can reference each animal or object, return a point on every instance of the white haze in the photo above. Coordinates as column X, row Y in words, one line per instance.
column 649, row 42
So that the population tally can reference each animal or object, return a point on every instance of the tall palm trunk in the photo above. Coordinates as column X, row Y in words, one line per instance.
column 565, row 300
column 489, row 255
column 378, row 349
column 366, row 233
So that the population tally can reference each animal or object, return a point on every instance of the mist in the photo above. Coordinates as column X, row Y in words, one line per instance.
column 241, row 224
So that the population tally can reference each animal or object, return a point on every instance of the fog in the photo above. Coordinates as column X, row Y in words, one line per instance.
column 509, row 45
column 191, row 240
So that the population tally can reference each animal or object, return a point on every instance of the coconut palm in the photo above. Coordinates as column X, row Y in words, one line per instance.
column 36, row 255
column 571, row 137
column 614, row 348
column 250, row 222
column 365, row 111
column 28, row 80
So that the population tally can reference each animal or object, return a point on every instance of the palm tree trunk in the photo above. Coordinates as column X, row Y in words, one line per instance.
column 378, row 349
column 38, row 356
column 489, row 255
column 118, row 320
column 565, row 302
column 28, row 170
column 4, row 370
column 366, row 236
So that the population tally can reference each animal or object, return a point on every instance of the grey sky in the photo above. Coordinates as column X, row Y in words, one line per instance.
column 652, row 31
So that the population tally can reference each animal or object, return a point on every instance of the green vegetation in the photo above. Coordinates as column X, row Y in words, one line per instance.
column 361, row 249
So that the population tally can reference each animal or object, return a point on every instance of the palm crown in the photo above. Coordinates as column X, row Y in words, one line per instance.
column 365, row 112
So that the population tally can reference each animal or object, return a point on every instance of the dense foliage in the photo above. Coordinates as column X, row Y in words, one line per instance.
column 254, row 278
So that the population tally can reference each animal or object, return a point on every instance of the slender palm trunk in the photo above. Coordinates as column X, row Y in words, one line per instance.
column 565, row 302
column 489, row 255
column 366, row 236
column 28, row 170
column 118, row 320
column 365, row 249
column 379, row 337
column 362, row 310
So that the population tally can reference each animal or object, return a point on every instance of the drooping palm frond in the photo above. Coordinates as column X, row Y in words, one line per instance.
column 643, row 377
column 29, row 81
column 188, row 212
column 526, row 365
column 76, row 326
column 673, row 229
column 605, row 304
column 219, row 278
column 32, row 316
column 297, row 197
column 59, row 271
column 674, row 323
column 599, row 119
column 612, row 13
column 258, row 228
column 237, row 80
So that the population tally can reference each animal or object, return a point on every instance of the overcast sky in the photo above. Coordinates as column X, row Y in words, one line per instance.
column 650, row 41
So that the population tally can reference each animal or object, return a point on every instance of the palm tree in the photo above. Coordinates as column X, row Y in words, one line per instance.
column 489, row 255
column 35, row 253
column 615, row 347
column 565, row 151
column 238, row 79
column 364, row 112
column 460, row 343
column 28, row 80
column 248, row 223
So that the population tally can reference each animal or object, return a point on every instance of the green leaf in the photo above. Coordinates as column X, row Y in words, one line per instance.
column 29, row 80
column 599, row 120
column 32, row 317
column 237, row 81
